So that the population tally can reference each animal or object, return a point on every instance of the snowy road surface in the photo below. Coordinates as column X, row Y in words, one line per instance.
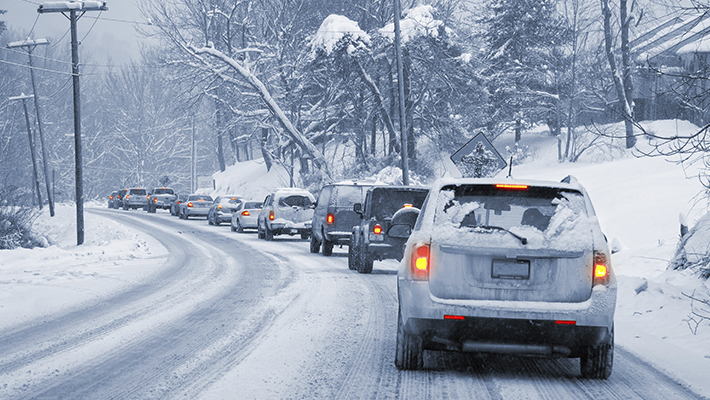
column 228, row 316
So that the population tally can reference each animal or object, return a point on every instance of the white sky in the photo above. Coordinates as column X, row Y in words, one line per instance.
column 113, row 37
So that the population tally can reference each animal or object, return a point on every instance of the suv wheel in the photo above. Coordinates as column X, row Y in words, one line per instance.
column 366, row 261
column 353, row 256
column 259, row 232
column 209, row 220
column 409, row 354
column 268, row 233
column 315, row 244
column 327, row 247
column 596, row 361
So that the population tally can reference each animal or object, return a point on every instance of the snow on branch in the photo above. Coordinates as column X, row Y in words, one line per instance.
column 337, row 31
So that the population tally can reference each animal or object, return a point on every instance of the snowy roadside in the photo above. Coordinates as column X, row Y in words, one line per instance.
column 42, row 282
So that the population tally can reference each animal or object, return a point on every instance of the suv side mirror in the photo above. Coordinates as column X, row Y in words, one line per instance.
column 357, row 207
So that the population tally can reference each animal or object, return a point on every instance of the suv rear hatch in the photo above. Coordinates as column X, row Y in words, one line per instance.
column 511, row 243
column 341, row 207
column 296, row 208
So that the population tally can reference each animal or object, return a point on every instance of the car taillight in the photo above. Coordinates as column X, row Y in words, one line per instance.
column 179, row 202
column 110, row 197
column 420, row 262
column 407, row 206
column 601, row 269
column 245, row 213
column 127, row 196
column 155, row 199
column 219, row 206
column 377, row 229
column 189, row 204
column 329, row 219
column 271, row 215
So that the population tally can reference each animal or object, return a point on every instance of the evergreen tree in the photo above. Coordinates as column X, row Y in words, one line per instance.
column 524, row 38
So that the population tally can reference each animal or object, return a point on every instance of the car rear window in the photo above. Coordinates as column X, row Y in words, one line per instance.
column 385, row 202
column 295, row 200
column 541, row 213
column 252, row 205
column 230, row 200
column 200, row 198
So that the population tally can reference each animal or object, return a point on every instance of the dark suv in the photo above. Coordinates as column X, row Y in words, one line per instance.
column 334, row 218
column 371, row 239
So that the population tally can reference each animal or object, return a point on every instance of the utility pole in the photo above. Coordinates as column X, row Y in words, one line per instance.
column 74, row 7
column 30, row 45
column 32, row 145
column 193, row 161
column 400, row 84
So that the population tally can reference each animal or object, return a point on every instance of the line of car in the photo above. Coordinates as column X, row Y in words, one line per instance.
column 492, row 266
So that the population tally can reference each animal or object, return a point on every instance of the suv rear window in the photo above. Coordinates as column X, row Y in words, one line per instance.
column 163, row 191
column 385, row 202
column 541, row 212
column 346, row 196
column 138, row 191
column 295, row 200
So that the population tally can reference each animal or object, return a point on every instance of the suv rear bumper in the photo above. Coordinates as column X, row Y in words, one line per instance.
column 501, row 325
column 290, row 228
column 338, row 237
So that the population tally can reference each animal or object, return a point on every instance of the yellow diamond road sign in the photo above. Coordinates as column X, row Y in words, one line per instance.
column 478, row 158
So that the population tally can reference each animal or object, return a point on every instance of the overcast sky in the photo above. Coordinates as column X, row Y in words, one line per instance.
column 113, row 37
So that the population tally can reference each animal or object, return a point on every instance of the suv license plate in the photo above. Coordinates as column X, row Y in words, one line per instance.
column 511, row 269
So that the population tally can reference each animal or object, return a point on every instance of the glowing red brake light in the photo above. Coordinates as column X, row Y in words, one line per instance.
column 219, row 206
column 565, row 322
column 329, row 219
column 377, row 229
column 189, row 204
column 407, row 206
column 511, row 186
column 127, row 196
column 601, row 269
column 455, row 317
column 420, row 262
column 245, row 213
column 155, row 199
column 271, row 215
column 110, row 197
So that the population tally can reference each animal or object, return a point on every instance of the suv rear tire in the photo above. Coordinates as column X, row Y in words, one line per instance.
column 315, row 244
column 268, row 233
column 353, row 256
column 596, row 361
column 409, row 354
column 327, row 247
column 366, row 262
column 259, row 232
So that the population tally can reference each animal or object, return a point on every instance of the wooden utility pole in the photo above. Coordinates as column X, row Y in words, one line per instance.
column 32, row 145
column 74, row 7
column 29, row 45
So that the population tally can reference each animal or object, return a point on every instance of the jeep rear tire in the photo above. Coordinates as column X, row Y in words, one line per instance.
column 353, row 256
column 366, row 261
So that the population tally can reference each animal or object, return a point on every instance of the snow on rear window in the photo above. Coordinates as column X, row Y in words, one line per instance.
column 483, row 216
column 295, row 201
column 346, row 196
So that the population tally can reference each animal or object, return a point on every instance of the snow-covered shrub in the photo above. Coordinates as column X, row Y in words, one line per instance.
column 694, row 249
column 520, row 153
column 16, row 221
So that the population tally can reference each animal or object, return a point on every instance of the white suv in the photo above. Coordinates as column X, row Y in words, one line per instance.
column 286, row 211
column 509, row 267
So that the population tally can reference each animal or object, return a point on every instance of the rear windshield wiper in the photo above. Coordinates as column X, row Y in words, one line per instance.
column 500, row 228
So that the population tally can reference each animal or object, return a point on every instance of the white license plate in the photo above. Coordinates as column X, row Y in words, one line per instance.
column 511, row 269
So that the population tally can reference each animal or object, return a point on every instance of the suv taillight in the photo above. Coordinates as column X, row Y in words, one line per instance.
column 155, row 199
column 127, row 196
column 377, row 229
column 329, row 219
column 421, row 262
column 600, row 274
column 271, row 215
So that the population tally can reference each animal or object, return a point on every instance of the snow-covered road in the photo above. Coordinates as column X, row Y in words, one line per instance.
column 226, row 315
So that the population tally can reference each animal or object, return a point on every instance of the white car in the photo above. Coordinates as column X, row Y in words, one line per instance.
column 286, row 211
column 507, row 266
column 246, row 216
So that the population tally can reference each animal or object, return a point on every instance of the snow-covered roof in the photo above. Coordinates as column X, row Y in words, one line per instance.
column 333, row 29
column 678, row 36
column 417, row 22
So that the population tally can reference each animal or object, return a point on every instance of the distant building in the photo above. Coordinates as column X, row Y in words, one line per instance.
column 671, row 79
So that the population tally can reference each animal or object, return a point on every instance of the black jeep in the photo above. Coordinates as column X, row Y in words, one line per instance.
column 386, row 208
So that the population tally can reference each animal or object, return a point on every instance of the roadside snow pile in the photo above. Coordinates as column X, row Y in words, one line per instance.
column 694, row 249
